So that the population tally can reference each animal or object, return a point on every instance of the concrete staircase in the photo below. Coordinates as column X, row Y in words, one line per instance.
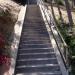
column 36, row 55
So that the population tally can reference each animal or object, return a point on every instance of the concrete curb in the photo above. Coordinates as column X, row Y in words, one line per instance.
column 16, row 40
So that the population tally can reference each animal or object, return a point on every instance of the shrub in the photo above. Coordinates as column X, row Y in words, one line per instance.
column 60, row 2
column 70, row 40
column 4, row 59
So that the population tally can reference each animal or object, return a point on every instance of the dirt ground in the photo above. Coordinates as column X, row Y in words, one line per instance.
column 64, row 14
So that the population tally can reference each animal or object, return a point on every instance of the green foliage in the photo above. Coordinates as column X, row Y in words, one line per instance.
column 5, row 13
column 70, row 40
column 45, row 0
column 60, row 2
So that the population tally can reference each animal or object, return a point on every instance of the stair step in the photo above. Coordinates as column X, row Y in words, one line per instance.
column 35, row 27
column 37, row 56
column 30, row 24
column 35, row 50
column 39, row 65
column 36, row 59
column 37, row 45
column 36, row 18
column 37, row 62
column 34, row 46
column 31, row 38
column 29, row 29
column 32, row 31
column 41, row 40
column 40, row 34
column 42, row 73
column 36, row 35
column 40, row 28
column 36, row 42
column 25, row 69
column 36, row 53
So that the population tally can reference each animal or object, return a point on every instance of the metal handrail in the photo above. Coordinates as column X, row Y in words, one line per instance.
column 65, row 51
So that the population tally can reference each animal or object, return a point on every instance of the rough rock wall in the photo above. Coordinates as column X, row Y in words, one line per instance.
column 8, row 16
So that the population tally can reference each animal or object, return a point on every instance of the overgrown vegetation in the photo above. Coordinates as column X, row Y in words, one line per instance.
column 67, row 16
column 70, row 41
column 60, row 2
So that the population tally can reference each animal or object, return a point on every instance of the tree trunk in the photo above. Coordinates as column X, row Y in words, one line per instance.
column 62, row 21
column 72, row 4
column 53, row 10
column 69, row 13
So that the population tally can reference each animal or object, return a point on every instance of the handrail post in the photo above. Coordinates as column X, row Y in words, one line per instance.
column 67, row 58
